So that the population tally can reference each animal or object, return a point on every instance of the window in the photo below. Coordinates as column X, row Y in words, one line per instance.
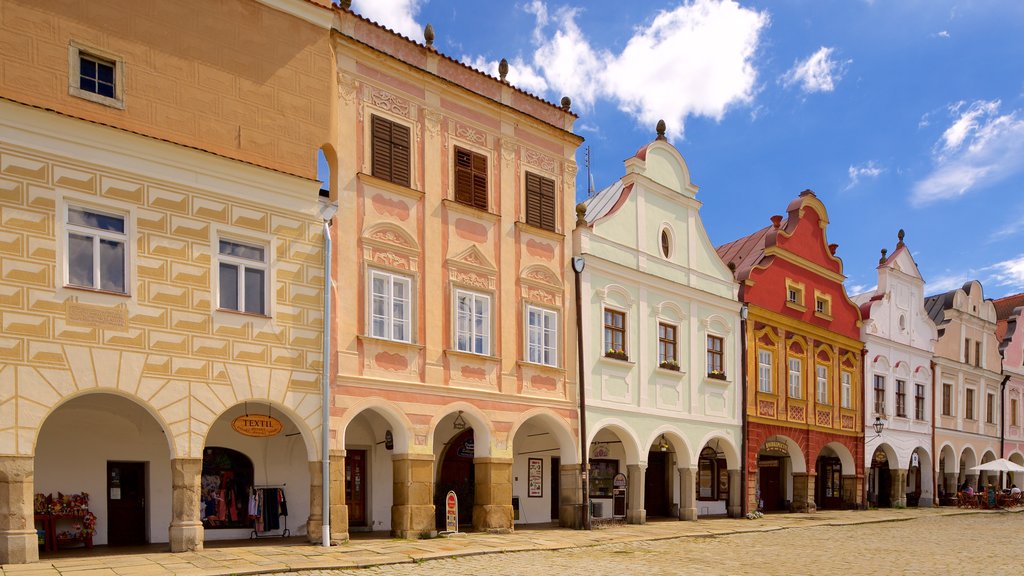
column 990, row 408
column 919, row 401
column 967, row 350
column 615, row 333
column 822, row 304
column 390, row 151
column 540, row 201
column 471, row 178
column 977, row 354
column 764, row 371
column 542, row 336
column 1013, row 411
column 602, row 475
column 822, row 384
column 969, row 404
column 715, row 365
column 96, row 76
column 667, row 345
column 390, row 309
column 901, row 398
column 793, row 295
column 666, row 243
column 947, row 399
column 472, row 322
column 796, row 384
column 712, row 476
column 846, row 390
column 879, row 394
column 96, row 250
column 243, row 277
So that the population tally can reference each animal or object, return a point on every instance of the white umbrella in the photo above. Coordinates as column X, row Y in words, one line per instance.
column 999, row 465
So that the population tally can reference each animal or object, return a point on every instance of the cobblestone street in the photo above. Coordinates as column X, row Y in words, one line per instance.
column 934, row 545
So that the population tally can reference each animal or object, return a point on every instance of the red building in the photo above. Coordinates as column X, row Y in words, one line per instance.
column 804, row 376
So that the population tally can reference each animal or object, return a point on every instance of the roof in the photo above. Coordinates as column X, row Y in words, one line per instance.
column 1005, row 310
column 745, row 253
column 606, row 201
column 937, row 304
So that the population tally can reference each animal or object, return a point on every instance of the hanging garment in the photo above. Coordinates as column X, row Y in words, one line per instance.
column 254, row 507
column 284, row 504
column 271, row 510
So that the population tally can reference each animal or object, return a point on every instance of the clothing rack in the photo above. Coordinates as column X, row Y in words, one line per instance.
column 282, row 512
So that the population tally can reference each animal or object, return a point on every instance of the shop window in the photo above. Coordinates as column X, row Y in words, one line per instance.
column 226, row 483
column 542, row 336
column 390, row 151
column 472, row 322
column 540, row 201
column 667, row 357
column 97, row 256
column 796, row 384
column 602, row 475
column 919, row 401
column 712, row 476
column 716, row 365
column 470, row 178
column 390, row 308
column 846, row 389
column 615, row 334
column 243, row 277
column 947, row 399
column 901, row 398
column 764, row 371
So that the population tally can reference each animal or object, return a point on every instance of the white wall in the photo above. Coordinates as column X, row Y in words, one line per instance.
column 533, row 441
column 366, row 432
column 78, row 439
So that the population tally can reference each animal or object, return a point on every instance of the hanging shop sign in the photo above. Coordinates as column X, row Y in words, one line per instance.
column 257, row 425
column 775, row 447
column 389, row 440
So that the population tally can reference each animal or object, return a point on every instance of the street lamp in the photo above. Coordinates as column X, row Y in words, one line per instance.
column 878, row 425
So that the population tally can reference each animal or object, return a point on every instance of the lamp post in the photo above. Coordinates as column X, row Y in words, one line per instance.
column 327, row 210
column 578, row 264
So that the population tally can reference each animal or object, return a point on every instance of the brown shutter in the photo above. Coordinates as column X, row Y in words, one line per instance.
column 547, row 204
column 380, row 147
column 533, row 201
column 401, row 165
column 463, row 176
column 480, row 181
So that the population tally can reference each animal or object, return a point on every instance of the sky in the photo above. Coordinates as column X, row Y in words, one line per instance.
column 896, row 113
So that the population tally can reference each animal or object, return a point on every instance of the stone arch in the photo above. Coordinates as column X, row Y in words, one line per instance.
column 329, row 156
column 724, row 445
column 890, row 456
column 483, row 433
column 684, row 452
column 309, row 439
column 390, row 412
column 969, row 457
column 845, row 456
column 798, row 460
column 630, row 442
column 559, row 428
column 948, row 455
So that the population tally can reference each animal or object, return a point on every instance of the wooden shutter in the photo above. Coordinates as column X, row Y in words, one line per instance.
column 471, row 178
column 547, row 204
column 390, row 150
column 533, row 200
column 480, row 181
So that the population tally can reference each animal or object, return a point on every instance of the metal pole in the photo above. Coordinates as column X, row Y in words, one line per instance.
column 744, row 311
column 584, row 472
column 325, row 406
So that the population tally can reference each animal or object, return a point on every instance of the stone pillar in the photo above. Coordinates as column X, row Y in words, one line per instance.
column 803, row 492
column 186, row 530
column 314, row 524
column 751, row 490
column 336, row 492
column 18, row 543
column 687, row 493
column 412, row 514
column 735, row 505
column 899, row 488
column 635, row 512
column 492, row 496
column 570, row 496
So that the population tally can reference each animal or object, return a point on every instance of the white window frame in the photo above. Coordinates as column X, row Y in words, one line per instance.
column 75, row 52
column 764, row 370
column 97, row 236
column 796, row 378
column 822, row 383
column 242, row 264
column 390, row 321
column 541, row 341
column 469, row 335
column 846, row 389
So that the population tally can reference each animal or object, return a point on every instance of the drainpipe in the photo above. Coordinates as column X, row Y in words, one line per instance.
column 1002, row 413
column 577, row 266
column 743, row 392
column 864, row 450
column 327, row 211
column 935, row 457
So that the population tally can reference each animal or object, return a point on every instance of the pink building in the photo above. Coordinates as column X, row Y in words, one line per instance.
column 1010, row 332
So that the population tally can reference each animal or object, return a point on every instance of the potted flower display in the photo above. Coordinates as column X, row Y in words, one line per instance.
column 670, row 365
column 617, row 354
column 716, row 374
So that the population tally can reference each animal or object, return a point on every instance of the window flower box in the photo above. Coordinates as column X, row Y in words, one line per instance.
column 717, row 375
column 669, row 365
column 617, row 354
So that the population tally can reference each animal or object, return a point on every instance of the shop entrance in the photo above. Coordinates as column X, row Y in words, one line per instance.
column 126, row 503
column 656, row 485
column 556, row 492
column 828, row 490
column 456, row 473
column 881, row 480
column 355, row 487
column 769, row 473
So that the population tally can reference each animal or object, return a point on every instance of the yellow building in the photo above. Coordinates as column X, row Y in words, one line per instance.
column 455, row 328
column 161, row 264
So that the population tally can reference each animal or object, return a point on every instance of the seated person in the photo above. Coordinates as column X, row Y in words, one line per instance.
column 969, row 490
column 1014, row 490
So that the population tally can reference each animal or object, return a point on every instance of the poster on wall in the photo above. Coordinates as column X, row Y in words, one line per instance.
column 535, row 482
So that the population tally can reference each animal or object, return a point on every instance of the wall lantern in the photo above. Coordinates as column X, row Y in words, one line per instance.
column 878, row 425
column 663, row 445
column 459, row 423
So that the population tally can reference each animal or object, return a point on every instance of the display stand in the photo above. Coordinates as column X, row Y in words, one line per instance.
column 256, row 534
column 54, row 516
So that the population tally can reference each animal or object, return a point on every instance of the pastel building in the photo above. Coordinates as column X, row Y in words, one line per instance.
column 900, row 338
column 661, row 341
column 805, row 441
column 1010, row 332
column 160, row 264
column 455, row 357
column 967, row 379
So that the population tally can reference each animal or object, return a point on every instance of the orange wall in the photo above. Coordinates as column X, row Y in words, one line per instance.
column 234, row 77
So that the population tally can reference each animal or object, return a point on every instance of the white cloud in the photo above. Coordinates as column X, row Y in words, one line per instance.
column 818, row 73
column 981, row 147
column 399, row 15
column 520, row 74
column 943, row 34
column 857, row 289
column 948, row 281
column 1006, row 231
column 999, row 279
column 868, row 170
column 569, row 63
column 1010, row 273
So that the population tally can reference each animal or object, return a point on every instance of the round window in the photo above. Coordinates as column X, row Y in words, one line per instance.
column 903, row 322
column 666, row 243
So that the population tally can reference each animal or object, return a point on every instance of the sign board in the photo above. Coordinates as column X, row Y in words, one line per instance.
column 915, row 460
column 389, row 440
column 257, row 425
column 775, row 447
column 451, row 512
column 535, row 481
column 619, row 481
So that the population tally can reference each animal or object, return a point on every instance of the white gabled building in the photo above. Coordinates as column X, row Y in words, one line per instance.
column 661, row 341
column 898, row 389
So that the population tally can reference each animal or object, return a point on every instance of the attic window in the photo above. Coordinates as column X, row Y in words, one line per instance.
column 666, row 243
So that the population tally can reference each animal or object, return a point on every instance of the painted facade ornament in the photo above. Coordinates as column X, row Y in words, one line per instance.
column 433, row 121
column 347, row 87
column 471, row 279
column 470, row 134
column 508, row 151
column 538, row 160
column 387, row 101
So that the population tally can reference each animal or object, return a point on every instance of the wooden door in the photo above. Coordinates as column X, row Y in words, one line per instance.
column 126, row 503
column 555, row 488
column 355, row 486
column 656, row 485
column 770, row 475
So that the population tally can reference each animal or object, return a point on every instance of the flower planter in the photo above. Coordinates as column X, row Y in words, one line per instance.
column 617, row 355
column 717, row 375
column 669, row 366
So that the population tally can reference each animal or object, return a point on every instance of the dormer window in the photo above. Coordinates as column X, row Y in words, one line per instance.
column 795, row 295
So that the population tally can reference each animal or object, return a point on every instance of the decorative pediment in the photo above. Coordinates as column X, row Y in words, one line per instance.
column 472, row 258
column 718, row 324
column 671, row 310
column 538, row 274
column 390, row 236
